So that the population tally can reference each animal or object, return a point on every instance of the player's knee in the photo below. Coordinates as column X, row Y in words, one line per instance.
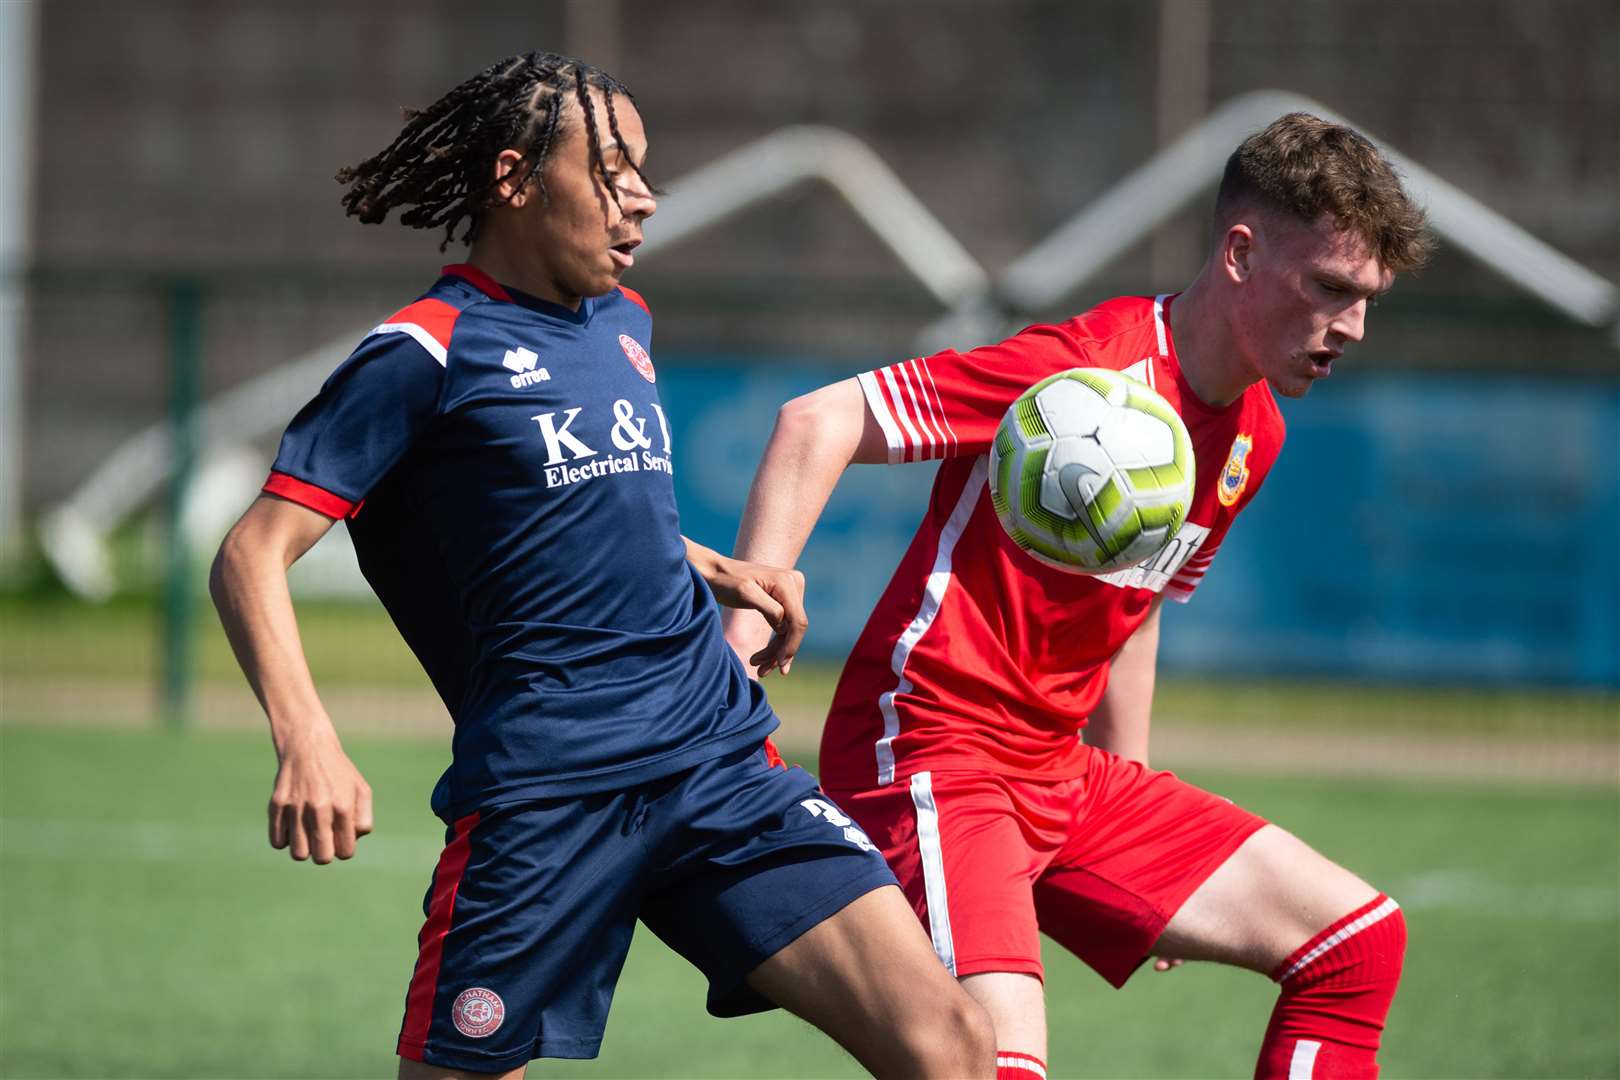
column 1365, row 951
column 954, row 1038
column 1385, row 951
column 978, row 1031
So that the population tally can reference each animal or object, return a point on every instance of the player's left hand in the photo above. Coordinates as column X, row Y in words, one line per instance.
column 776, row 594
column 1163, row 964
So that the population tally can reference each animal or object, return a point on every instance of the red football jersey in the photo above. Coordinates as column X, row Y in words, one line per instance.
column 978, row 656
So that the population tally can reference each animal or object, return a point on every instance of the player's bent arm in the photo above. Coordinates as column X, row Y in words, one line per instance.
column 1122, row 718
column 320, row 804
column 248, row 583
column 775, row 594
column 816, row 438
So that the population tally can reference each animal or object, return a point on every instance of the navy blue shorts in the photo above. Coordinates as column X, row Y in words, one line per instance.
column 532, row 906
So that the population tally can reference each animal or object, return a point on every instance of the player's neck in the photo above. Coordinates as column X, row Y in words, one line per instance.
column 499, row 261
column 1209, row 356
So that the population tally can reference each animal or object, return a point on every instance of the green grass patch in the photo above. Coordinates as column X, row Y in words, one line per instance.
column 1414, row 709
column 355, row 645
column 148, row 930
column 346, row 643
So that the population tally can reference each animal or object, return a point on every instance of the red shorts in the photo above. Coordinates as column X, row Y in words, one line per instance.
column 1099, row 863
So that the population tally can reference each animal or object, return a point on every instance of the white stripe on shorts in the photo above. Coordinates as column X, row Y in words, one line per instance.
column 1302, row 1065
column 933, row 864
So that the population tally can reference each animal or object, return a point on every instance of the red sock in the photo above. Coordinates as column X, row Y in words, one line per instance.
column 1336, row 991
column 1011, row 1065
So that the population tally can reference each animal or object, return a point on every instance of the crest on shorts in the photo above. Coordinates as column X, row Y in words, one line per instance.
column 478, row 1012
column 637, row 356
column 1235, row 477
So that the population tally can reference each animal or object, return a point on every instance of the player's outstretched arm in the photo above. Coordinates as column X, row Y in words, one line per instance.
column 775, row 594
column 321, row 804
column 816, row 438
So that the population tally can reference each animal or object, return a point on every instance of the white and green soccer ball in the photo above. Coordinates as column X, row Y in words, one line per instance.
column 1091, row 471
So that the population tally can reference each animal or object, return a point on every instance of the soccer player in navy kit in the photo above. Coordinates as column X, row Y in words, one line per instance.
column 499, row 454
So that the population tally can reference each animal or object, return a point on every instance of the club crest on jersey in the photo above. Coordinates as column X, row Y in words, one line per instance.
column 637, row 356
column 1235, row 477
column 522, row 362
column 478, row 1012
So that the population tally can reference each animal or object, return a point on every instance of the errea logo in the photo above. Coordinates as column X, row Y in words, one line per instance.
column 523, row 362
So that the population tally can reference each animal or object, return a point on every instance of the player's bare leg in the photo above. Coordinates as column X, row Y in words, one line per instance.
column 416, row 1070
column 1264, row 902
column 869, row 979
column 1016, row 1003
column 1280, row 908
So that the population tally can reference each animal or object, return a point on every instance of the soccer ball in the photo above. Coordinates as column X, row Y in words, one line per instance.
column 1091, row 471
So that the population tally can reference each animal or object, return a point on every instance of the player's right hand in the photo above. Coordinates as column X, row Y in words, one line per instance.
column 321, row 804
column 749, row 636
column 776, row 596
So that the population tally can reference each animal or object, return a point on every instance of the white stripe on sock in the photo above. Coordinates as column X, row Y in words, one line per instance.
column 1348, row 930
column 1005, row 1061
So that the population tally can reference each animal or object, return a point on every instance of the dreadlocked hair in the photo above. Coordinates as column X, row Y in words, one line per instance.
column 440, row 169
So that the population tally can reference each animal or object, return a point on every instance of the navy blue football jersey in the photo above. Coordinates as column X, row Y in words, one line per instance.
column 503, row 465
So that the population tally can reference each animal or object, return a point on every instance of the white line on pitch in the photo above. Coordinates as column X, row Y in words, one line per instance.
column 1457, row 889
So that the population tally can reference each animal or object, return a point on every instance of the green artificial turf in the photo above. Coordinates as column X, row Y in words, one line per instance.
column 149, row 931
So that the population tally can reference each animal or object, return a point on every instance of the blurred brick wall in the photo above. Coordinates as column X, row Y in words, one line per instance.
column 204, row 133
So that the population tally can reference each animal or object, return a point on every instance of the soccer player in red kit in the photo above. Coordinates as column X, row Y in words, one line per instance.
column 955, row 733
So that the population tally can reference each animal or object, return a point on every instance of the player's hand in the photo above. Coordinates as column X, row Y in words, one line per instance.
column 776, row 594
column 321, row 804
column 747, row 633
column 1164, row 964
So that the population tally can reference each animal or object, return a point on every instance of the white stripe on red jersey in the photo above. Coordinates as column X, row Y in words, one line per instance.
column 927, row 413
column 939, row 581
column 933, row 391
column 1158, row 324
column 901, row 413
column 977, row 656
column 880, row 412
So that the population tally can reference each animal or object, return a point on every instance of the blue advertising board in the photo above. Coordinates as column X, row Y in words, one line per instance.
column 1426, row 527
column 1417, row 527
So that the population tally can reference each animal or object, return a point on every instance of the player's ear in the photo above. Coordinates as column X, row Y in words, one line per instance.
column 1237, row 250
column 509, row 185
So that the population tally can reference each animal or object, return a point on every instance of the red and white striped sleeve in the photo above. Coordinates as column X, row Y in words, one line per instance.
column 904, row 399
column 950, row 404
column 1181, row 587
